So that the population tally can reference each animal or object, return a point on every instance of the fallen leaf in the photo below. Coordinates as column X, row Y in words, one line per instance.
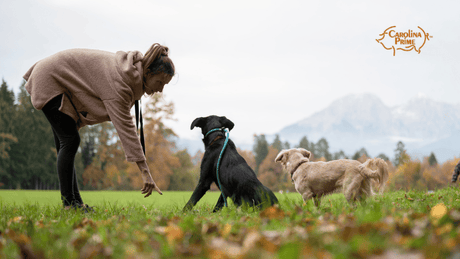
column 273, row 212
column 251, row 240
column 226, row 230
column 408, row 198
column 444, row 229
column 220, row 248
column 438, row 211
column 173, row 233
column 24, row 243
column 327, row 228
column 209, row 229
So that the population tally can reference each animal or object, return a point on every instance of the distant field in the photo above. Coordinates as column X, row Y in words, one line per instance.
column 171, row 199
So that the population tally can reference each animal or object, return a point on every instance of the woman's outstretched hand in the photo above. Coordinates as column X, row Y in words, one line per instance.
column 149, row 184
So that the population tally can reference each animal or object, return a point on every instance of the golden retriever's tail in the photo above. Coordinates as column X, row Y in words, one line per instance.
column 380, row 174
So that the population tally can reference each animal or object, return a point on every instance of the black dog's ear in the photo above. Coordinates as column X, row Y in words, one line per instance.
column 227, row 123
column 198, row 122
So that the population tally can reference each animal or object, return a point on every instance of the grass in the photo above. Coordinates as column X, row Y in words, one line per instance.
column 100, row 198
column 125, row 225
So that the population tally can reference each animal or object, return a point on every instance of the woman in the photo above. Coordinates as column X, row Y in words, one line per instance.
column 80, row 87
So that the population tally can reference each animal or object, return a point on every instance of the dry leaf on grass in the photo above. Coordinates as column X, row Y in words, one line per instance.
column 273, row 212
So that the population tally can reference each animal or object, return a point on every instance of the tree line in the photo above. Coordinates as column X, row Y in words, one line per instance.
column 28, row 154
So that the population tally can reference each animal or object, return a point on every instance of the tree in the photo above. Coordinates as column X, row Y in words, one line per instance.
column 271, row 174
column 7, row 138
column 159, row 144
column 304, row 143
column 360, row 153
column 287, row 145
column 277, row 143
column 7, row 108
column 102, row 157
column 322, row 149
column 260, row 150
column 248, row 156
column 185, row 177
column 339, row 155
column 432, row 160
column 34, row 154
column 399, row 153
column 383, row 156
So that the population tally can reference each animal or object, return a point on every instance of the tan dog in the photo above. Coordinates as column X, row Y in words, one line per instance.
column 315, row 179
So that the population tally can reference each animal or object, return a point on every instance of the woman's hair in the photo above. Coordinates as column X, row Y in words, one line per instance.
column 156, row 60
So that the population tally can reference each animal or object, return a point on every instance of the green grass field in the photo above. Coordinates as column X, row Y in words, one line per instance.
column 100, row 198
column 125, row 225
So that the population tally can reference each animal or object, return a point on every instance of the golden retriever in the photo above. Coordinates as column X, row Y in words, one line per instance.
column 315, row 179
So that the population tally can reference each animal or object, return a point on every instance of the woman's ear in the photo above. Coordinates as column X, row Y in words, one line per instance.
column 198, row 122
column 226, row 123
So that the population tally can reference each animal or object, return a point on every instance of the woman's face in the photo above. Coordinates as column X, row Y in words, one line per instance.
column 155, row 83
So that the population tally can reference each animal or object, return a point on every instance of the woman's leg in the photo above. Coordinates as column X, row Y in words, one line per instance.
column 75, row 189
column 67, row 141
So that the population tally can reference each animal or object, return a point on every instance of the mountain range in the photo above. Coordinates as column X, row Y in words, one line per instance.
column 363, row 120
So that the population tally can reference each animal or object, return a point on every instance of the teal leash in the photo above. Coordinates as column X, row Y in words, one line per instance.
column 220, row 158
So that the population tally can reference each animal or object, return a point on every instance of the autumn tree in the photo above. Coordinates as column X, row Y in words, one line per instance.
column 186, row 176
column 249, row 157
column 159, row 144
column 271, row 174
column 102, row 157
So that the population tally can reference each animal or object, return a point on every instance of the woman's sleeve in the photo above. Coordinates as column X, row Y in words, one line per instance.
column 119, row 113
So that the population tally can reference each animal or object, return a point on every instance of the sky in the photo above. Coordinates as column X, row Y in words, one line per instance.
column 262, row 64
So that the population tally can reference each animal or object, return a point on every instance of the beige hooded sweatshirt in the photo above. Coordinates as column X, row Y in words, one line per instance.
column 97, row 86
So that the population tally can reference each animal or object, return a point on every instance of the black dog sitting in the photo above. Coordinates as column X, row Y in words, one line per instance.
column 237, row 180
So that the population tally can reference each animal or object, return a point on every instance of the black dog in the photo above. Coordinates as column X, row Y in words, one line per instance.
column 238, row 181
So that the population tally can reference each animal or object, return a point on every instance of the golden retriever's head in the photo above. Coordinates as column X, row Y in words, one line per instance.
column 291, row 157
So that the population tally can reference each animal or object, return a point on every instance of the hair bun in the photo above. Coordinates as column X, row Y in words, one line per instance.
column 165, row 51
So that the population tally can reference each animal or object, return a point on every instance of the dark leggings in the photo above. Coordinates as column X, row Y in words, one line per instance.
column 67, row 141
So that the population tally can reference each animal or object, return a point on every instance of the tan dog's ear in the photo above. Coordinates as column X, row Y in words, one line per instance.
column 281, row 156
column 304, row 152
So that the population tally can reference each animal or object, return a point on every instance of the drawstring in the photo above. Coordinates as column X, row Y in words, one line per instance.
column 138, row 110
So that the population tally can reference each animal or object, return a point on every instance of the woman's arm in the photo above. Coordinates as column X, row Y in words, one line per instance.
column 149, row 184
column 119, row 113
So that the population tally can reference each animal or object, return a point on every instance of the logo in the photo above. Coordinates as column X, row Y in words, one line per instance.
column 407, row 40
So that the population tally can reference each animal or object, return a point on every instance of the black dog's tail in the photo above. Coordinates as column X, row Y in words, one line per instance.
column 265, row 197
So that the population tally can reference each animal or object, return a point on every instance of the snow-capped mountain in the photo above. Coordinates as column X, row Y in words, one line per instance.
column 363, row 120
column 357, row 121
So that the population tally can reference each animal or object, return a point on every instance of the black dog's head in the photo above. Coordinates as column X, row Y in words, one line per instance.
column 212, row 122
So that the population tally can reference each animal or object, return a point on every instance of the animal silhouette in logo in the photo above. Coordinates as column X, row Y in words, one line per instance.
column 391, row 39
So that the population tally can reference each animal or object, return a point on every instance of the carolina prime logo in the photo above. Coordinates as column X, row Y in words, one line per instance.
column 405, row 40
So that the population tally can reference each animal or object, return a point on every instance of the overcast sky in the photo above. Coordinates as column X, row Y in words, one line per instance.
column 263, row 64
